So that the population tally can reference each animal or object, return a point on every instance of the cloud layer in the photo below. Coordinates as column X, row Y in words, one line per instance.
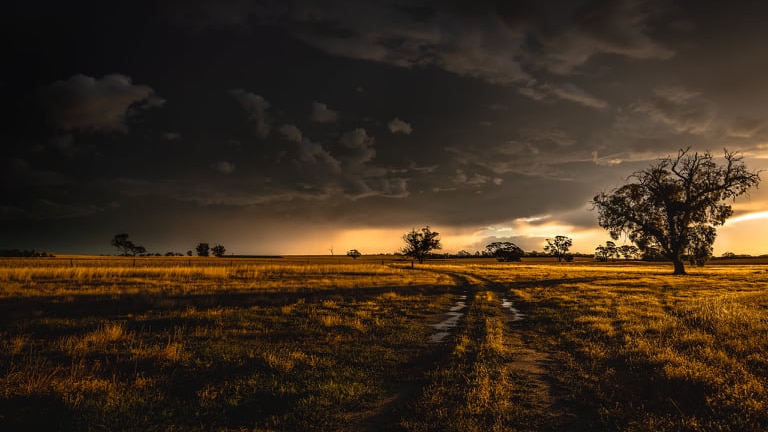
column 96, row 104
column 486, row 120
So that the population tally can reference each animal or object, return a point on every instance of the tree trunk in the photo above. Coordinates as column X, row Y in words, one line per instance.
column 679, row 266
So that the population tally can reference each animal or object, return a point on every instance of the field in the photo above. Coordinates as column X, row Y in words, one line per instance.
column 374, row 344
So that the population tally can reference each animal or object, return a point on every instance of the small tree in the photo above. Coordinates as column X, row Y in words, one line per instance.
column 674, row 206
column 559, row 247
column 127, row 247
column 505, row 251
column 605, row 253
column 354, row 253
column 218, row 251
column 600, row 254
column 418, row 244
column 121, row 242
column 629, row 251
column 203, row 249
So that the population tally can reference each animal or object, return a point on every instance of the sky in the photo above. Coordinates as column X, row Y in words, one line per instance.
column 315, row 127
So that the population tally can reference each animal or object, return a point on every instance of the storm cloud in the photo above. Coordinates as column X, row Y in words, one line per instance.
column 242, row 120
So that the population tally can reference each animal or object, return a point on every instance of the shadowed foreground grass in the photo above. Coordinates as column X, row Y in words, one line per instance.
column 634, row 348
column 304, row 345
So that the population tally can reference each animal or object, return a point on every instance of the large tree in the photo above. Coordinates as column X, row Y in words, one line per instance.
column 418, row 244
column 674, row 206
column 505, row 251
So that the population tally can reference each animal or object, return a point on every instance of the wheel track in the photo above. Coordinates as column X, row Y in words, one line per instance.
column 489, row 342
column 481, row 377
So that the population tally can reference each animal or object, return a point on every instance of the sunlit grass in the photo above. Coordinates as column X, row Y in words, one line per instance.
column 193, row 344
column 195, row 276
column 258, row 345
column 650, row 351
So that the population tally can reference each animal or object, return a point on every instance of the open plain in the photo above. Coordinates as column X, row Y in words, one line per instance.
column 332, row 343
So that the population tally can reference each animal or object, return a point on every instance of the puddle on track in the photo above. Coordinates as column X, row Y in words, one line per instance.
column 516, row 315
column 444, row 327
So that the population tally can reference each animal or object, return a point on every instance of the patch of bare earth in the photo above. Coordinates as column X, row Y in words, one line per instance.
column 536, row 372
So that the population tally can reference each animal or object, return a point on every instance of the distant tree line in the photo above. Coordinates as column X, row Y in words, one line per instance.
column 419, row 245
column 204, row 250
column 610, row 251
column 127, row 247
column 18, row 253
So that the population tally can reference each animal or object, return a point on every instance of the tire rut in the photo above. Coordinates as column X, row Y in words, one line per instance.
column 528, row 368
column 530, row 403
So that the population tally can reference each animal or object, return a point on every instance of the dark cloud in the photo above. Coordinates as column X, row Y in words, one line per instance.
column 487, row 119
column 224, row 167
column 322, row 114
column 172, row 136
column 399, row 126
column 681, row 109
column 256, row 108
column 564, row 35
column 291, row 132
column 360, row 147
column 96, row 104
column 314, row 153
column 381, row 32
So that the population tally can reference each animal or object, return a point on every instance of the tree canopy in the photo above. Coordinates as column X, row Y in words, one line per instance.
column 203, row 249
column 674, row 205
column 559, row 247
column 125, row 246
column 418, row 244
column 218, row 251
column 505, row 251
column 607, row 252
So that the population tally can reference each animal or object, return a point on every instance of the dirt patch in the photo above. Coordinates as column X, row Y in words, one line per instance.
column 528, row 365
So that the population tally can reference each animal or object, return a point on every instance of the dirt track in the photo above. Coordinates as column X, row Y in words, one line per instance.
column 482, row 375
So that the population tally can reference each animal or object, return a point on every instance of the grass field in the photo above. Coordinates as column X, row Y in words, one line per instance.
column 331, row 343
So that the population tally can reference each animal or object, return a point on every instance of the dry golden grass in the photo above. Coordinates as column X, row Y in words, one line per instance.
column 182, row 276
column 338, row 344
column 651, row 351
